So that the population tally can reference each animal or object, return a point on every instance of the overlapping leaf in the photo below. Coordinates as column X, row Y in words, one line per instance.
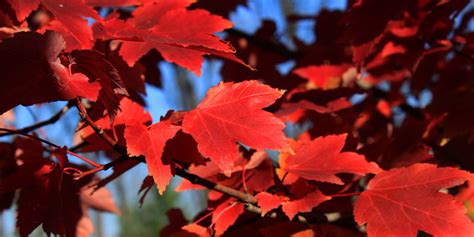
column 150, row 142
column 48, row 196
column 291, row 208
column 69, row 19
column 181, row 36
column 323, row 76
column 321, row 159
column 233, row 113
column 130, row 113
column 34, row 74
column 402, row 201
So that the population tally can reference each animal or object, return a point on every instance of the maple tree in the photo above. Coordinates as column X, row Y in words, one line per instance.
column 335, row 147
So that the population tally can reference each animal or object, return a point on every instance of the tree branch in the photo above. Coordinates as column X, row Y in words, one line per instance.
column 10, row 131
column 250, row 200
column 241, row 196
column 97, row 129
column 309, row 218
column 35, row 126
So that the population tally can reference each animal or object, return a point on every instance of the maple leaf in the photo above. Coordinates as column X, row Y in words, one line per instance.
column 291, row 208
column 305, row 204
column 257, row 178
column 34, row 73
column 323, row 76
column 70, row 19
column 156, row 23
column 50, row 197
column 321, row 159
column 176, row 221
column 225, row 215
column 183, row 147
column 233, row 113
column 132, row 77
column 129, row 114
column 196, row 230
column 98, row 199
column 98, row 68
column 399, row 202
column 268, row 201
column 150, row 142
column 294, row 111
column 115, row 3
column 23, row 8
column 178, row 226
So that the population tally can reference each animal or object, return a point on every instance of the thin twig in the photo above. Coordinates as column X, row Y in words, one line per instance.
column 11, row 132
column 345, row 194
column 195, row 179
column 85, row 117
column 244, row 197
column 310, row 217
column 49, row 121
column 78, row 146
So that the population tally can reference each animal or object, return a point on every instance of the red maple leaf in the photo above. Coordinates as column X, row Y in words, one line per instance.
column 268, row 201
column 258, row 176
column 178, row 226
column 233, row 113
column 50, row 197
column 181, row 36
column 69, row 20
column 226, row 214
column 294, row 111
column 150, row 142
column 321, row 159
column 114, row 3
column 34, row 73
column 322, row 75
column 399, row 202
column 95, row 66
column 130, row 113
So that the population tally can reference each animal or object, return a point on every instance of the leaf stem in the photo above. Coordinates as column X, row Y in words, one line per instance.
column 346, row 194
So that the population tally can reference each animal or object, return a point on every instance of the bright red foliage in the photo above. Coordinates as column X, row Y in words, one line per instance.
column 412, row 196
column 379, row 105
column 321, row 159
column 268, row 202
column 222, row 119
column 150, row 142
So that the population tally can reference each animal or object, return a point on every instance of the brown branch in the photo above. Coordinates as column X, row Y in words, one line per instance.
column 309, row 218
column 85, row 117
column 244, row 197
column 97, row 129
column 35, row 126
column 250, row 200
column 11, row 132
column 78, row 146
